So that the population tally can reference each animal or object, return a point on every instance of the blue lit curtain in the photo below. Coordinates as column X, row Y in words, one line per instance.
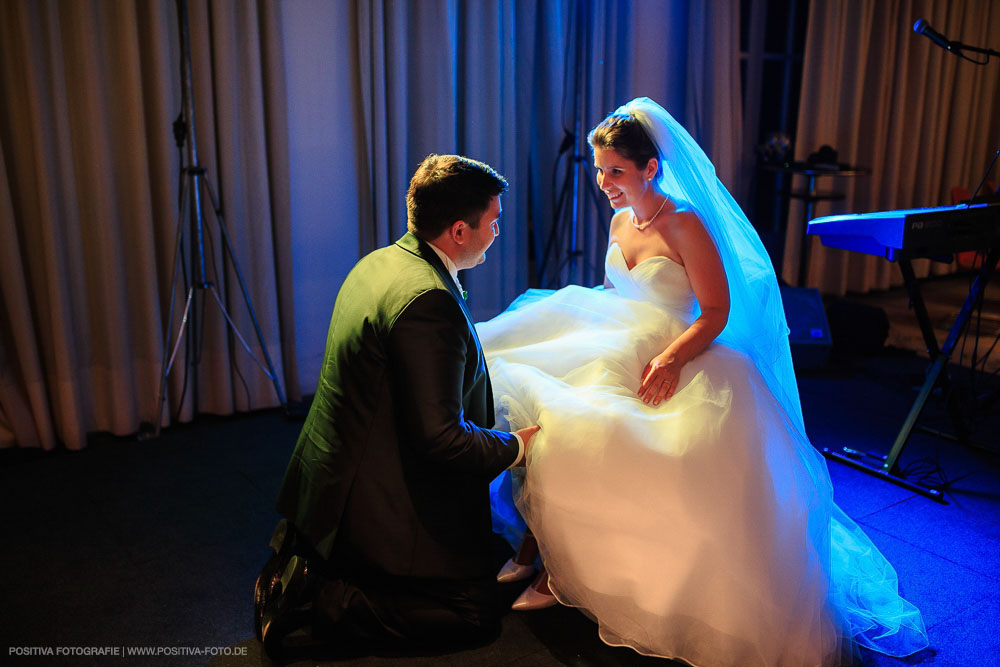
column 89, row 173
column 508, row 82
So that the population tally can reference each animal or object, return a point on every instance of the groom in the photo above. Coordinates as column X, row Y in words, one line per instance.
column 387, row 531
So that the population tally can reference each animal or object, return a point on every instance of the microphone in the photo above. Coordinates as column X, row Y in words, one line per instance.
column 922, row 27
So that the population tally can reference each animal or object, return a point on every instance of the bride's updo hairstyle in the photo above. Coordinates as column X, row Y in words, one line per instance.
column 623, row 134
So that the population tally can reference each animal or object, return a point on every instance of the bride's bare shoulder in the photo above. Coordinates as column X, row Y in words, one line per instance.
column 686, row 220
column 620, row 217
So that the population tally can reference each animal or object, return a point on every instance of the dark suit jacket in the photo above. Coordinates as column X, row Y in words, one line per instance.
column 391, row 471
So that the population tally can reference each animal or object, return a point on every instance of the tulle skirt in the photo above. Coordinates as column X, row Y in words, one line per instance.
column 703, row 529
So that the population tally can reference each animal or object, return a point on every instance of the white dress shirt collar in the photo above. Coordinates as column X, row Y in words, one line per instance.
column 448, row 264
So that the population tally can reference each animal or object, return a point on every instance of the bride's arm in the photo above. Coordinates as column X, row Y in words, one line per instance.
column 689, row 238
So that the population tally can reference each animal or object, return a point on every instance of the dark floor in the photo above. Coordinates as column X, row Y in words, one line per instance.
column 157, row 543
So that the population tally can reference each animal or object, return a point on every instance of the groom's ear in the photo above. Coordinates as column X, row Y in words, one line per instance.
column 459, row 231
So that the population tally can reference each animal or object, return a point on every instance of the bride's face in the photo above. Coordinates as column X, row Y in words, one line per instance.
column 621, row 180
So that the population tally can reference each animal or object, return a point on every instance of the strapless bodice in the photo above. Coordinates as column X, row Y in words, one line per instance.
column 658, row 280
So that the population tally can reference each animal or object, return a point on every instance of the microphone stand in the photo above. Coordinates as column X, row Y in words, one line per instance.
column 958, row 47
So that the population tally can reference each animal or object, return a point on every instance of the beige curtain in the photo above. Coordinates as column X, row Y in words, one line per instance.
column 888, row 99
column 89, row 182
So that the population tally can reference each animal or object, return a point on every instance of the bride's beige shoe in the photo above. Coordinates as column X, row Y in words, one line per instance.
column 513, row 571
column 532, row 598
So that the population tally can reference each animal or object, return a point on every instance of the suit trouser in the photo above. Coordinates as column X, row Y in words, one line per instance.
column 405, row 610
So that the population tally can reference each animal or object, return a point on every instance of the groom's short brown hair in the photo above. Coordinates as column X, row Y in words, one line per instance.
column 447, row 188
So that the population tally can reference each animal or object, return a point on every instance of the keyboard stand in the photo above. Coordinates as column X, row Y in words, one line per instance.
column 936, row 375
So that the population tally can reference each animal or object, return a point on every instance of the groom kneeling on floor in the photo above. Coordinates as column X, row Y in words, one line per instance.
column 387, row 531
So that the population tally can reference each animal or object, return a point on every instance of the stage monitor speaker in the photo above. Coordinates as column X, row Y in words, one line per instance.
column 857, row 328
column 809, row 334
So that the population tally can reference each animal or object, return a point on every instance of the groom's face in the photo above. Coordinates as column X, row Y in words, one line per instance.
column 479, row 239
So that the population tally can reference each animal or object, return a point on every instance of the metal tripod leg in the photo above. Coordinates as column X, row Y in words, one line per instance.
column 269, row 371
column 190, row 210
column 167, row 363
column 164, row 369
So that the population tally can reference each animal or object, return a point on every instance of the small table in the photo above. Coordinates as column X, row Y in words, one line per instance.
column 811, row 195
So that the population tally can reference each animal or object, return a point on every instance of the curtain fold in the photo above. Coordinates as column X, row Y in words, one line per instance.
column 25, row 416
column 90, row 194
column 713, row 105
column 274, row 94
column 888, row 99
column 89, row 211
column 444, row 77
column 510, row 83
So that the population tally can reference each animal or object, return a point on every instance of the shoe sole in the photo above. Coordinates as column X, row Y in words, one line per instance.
column 289, row 587
column 268, row 577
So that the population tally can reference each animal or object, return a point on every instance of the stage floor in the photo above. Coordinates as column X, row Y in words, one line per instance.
column 157, row 543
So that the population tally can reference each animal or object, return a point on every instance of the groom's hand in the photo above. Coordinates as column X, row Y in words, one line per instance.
column 525, row 435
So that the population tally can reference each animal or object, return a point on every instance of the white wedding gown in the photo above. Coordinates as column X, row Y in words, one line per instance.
column 703, row 529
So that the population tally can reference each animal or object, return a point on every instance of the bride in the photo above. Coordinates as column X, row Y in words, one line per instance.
column 672, row 489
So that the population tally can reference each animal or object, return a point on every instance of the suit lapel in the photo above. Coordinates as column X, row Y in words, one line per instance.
column 421, row 249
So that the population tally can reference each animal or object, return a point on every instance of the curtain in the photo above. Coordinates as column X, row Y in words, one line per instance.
column 89, row 183
column 472, row 78
column 510, row 82
column 888, row 99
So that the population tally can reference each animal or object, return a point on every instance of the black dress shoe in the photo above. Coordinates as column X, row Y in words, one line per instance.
column 281, row 542
column 289, row 609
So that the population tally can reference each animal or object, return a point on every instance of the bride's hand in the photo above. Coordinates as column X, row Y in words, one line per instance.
column 659, row 379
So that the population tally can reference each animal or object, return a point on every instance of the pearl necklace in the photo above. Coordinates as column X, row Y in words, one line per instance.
column 642, row 226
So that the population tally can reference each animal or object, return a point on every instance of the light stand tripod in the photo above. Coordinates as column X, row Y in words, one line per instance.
column 567, row 211
column 193, row 178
